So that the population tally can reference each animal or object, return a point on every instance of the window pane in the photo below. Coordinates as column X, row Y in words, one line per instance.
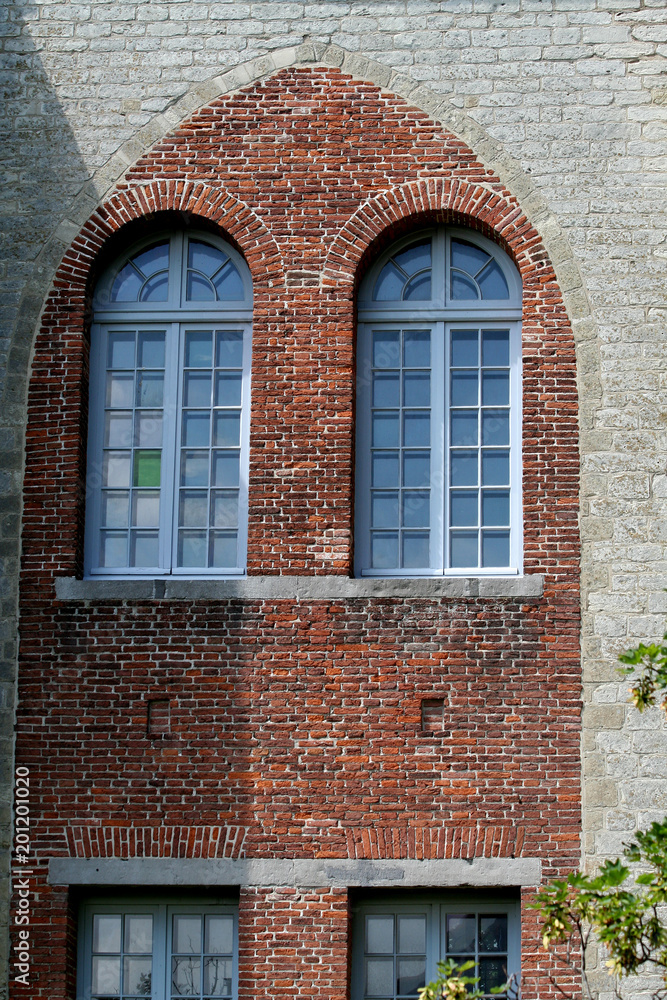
column 385, row 429
column 492, row 973
column 113, row 549
column 223, row 548
column 463, row 465
column 228, row 387
column 106, row 976
column 146, row 509
column 118, row 429
column 198, row 349
column 416, row 468
column 197, row 389
column 380, row 977
column 495, row 548
column 495, row 388
column 416, row 509
column 386, row 353
column 225, row 509
column 379, row 935
column 196, row 431
column 384, row 469
column 106, row 932
column 417, row 349
column 493, row 932
column 193, row 512
column 464, row 427
column 192, row 548
column 495, row 427
column 414, row 258
column 464, row 388
column 468, row 257
column 116, row 468
column 187, row 935
column 186, row 977
column 137, row 976
column 384, row 550
column 412, row 935
column 147, row 468
column 199, row 288
column 411, row 975
column 144, row 548
column 386, row 390
column 155, row 289
column 496, row 507
column 416, row 388
column 464, row 349
column 219, row 938
column 492, row 282
column 228, row 284
column 120, row 391
column 495, row 468
column 463, row 508
column 194, row 468
column 461, row 927
column 496, row 348
column 152, row 260
column 149, row 429
column 217, row 977
column 227, row 429
column 151, row 350
column 389, row 284
column 204, row 257
column 416, row 429
column 463, row 549
column 384, row 510
column 418, row 289
column 127, row 285
column 150, row 386
column 115, row 511
column 463, row 287
column 415, row 549
column 225, row 468
column 229, row 352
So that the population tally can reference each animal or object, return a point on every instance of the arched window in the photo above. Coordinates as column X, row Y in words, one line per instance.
column 169, row 411
column 439, row 399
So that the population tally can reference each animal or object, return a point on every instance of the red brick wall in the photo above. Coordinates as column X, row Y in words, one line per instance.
column 295, row 727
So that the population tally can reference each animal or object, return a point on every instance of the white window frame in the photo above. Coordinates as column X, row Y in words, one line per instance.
column 162, row 913
column 439, row 315
column 175, row 317
column 435, row 907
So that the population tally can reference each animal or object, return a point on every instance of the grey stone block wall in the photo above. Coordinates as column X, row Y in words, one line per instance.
column 567, row 99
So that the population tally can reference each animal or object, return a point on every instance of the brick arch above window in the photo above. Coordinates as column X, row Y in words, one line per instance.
column 489, row 209
column 201, row 201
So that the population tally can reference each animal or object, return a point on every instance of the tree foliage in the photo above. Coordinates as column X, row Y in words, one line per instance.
column 624, row 909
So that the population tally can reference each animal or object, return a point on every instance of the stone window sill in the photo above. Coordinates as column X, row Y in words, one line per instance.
column 305, row 588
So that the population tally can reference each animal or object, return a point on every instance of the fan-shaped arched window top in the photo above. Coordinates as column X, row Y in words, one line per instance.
column 444, row 267
column 439, row 394
column 169, row 410
column 182, row 271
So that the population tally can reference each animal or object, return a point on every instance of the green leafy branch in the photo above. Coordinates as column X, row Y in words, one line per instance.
column 453, row 983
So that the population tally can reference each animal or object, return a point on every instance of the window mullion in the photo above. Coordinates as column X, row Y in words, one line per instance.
column 171, row 450
column 438, row 449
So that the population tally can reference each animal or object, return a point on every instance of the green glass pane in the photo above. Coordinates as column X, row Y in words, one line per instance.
column 146, row 468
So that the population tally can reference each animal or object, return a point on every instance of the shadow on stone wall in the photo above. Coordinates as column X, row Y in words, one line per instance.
column 42, row 171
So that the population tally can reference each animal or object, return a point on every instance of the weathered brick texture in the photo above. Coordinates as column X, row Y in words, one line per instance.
column 295, row 727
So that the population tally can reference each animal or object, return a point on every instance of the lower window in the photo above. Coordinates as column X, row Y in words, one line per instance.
column 158, row 950
column 397, row 944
